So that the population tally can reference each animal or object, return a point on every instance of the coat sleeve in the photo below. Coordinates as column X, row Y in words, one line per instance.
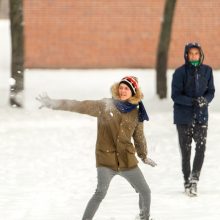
column 140, row 141
column 88, row 107
column 177, row 93
column 209, row 95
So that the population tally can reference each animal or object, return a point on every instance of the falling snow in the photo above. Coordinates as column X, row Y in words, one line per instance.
column 47, row 163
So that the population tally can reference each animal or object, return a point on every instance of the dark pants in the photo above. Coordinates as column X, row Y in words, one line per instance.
column 187, row 133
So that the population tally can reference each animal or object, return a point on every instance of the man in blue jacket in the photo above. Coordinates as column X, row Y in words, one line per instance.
column 192, row 91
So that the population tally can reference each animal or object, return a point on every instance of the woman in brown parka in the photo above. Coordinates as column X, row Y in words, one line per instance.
column 120, row 119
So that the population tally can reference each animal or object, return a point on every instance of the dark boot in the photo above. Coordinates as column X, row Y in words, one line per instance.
column 187, row 186
column 144, row 217
column 193, row 188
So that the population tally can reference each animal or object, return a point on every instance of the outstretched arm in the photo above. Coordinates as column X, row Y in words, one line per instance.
column 89, row 107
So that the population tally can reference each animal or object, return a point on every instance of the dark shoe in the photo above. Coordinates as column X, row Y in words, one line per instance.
column 187, row 186
column 145, row 218
column 142, row 216
column 193, row 188
column 148, row 218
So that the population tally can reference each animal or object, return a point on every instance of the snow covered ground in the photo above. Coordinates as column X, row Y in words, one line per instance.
column 47, row 160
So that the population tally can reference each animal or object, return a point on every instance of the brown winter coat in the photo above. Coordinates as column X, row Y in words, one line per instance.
column 114, row 147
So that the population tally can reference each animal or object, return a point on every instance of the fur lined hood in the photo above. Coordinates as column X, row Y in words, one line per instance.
column 133, row 100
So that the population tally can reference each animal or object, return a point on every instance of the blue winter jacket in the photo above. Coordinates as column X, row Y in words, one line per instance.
column 190, row 82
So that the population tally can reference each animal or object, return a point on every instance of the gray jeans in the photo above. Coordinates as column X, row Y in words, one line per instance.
column 133, row 176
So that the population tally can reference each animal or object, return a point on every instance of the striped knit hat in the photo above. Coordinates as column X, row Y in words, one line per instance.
column 131, row 82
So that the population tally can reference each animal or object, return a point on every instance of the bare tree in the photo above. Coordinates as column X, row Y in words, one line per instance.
column 17, row 60
column 163, row 48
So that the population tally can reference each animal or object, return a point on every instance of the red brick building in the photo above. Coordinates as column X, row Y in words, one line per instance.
column 116, row 33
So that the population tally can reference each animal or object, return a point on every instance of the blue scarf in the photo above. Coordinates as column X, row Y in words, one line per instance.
column 127, row 107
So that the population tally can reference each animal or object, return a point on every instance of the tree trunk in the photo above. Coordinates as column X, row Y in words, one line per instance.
column 17, row 55
column 163, row 48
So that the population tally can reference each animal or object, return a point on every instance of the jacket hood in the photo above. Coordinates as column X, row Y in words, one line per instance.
column 193, row 45
column 133, row 100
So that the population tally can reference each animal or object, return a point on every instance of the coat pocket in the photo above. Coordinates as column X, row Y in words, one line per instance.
column 106, row 157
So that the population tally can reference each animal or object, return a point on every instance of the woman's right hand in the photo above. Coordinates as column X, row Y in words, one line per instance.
column 45, row 101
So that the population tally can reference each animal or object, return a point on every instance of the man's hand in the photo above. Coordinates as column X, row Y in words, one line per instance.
column 149, row 162
column 200, row 102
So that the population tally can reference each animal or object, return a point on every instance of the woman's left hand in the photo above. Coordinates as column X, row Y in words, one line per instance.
column 149, row 162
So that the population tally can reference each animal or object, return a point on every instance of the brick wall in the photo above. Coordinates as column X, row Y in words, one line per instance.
column 196, row 21
column 116, row 33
